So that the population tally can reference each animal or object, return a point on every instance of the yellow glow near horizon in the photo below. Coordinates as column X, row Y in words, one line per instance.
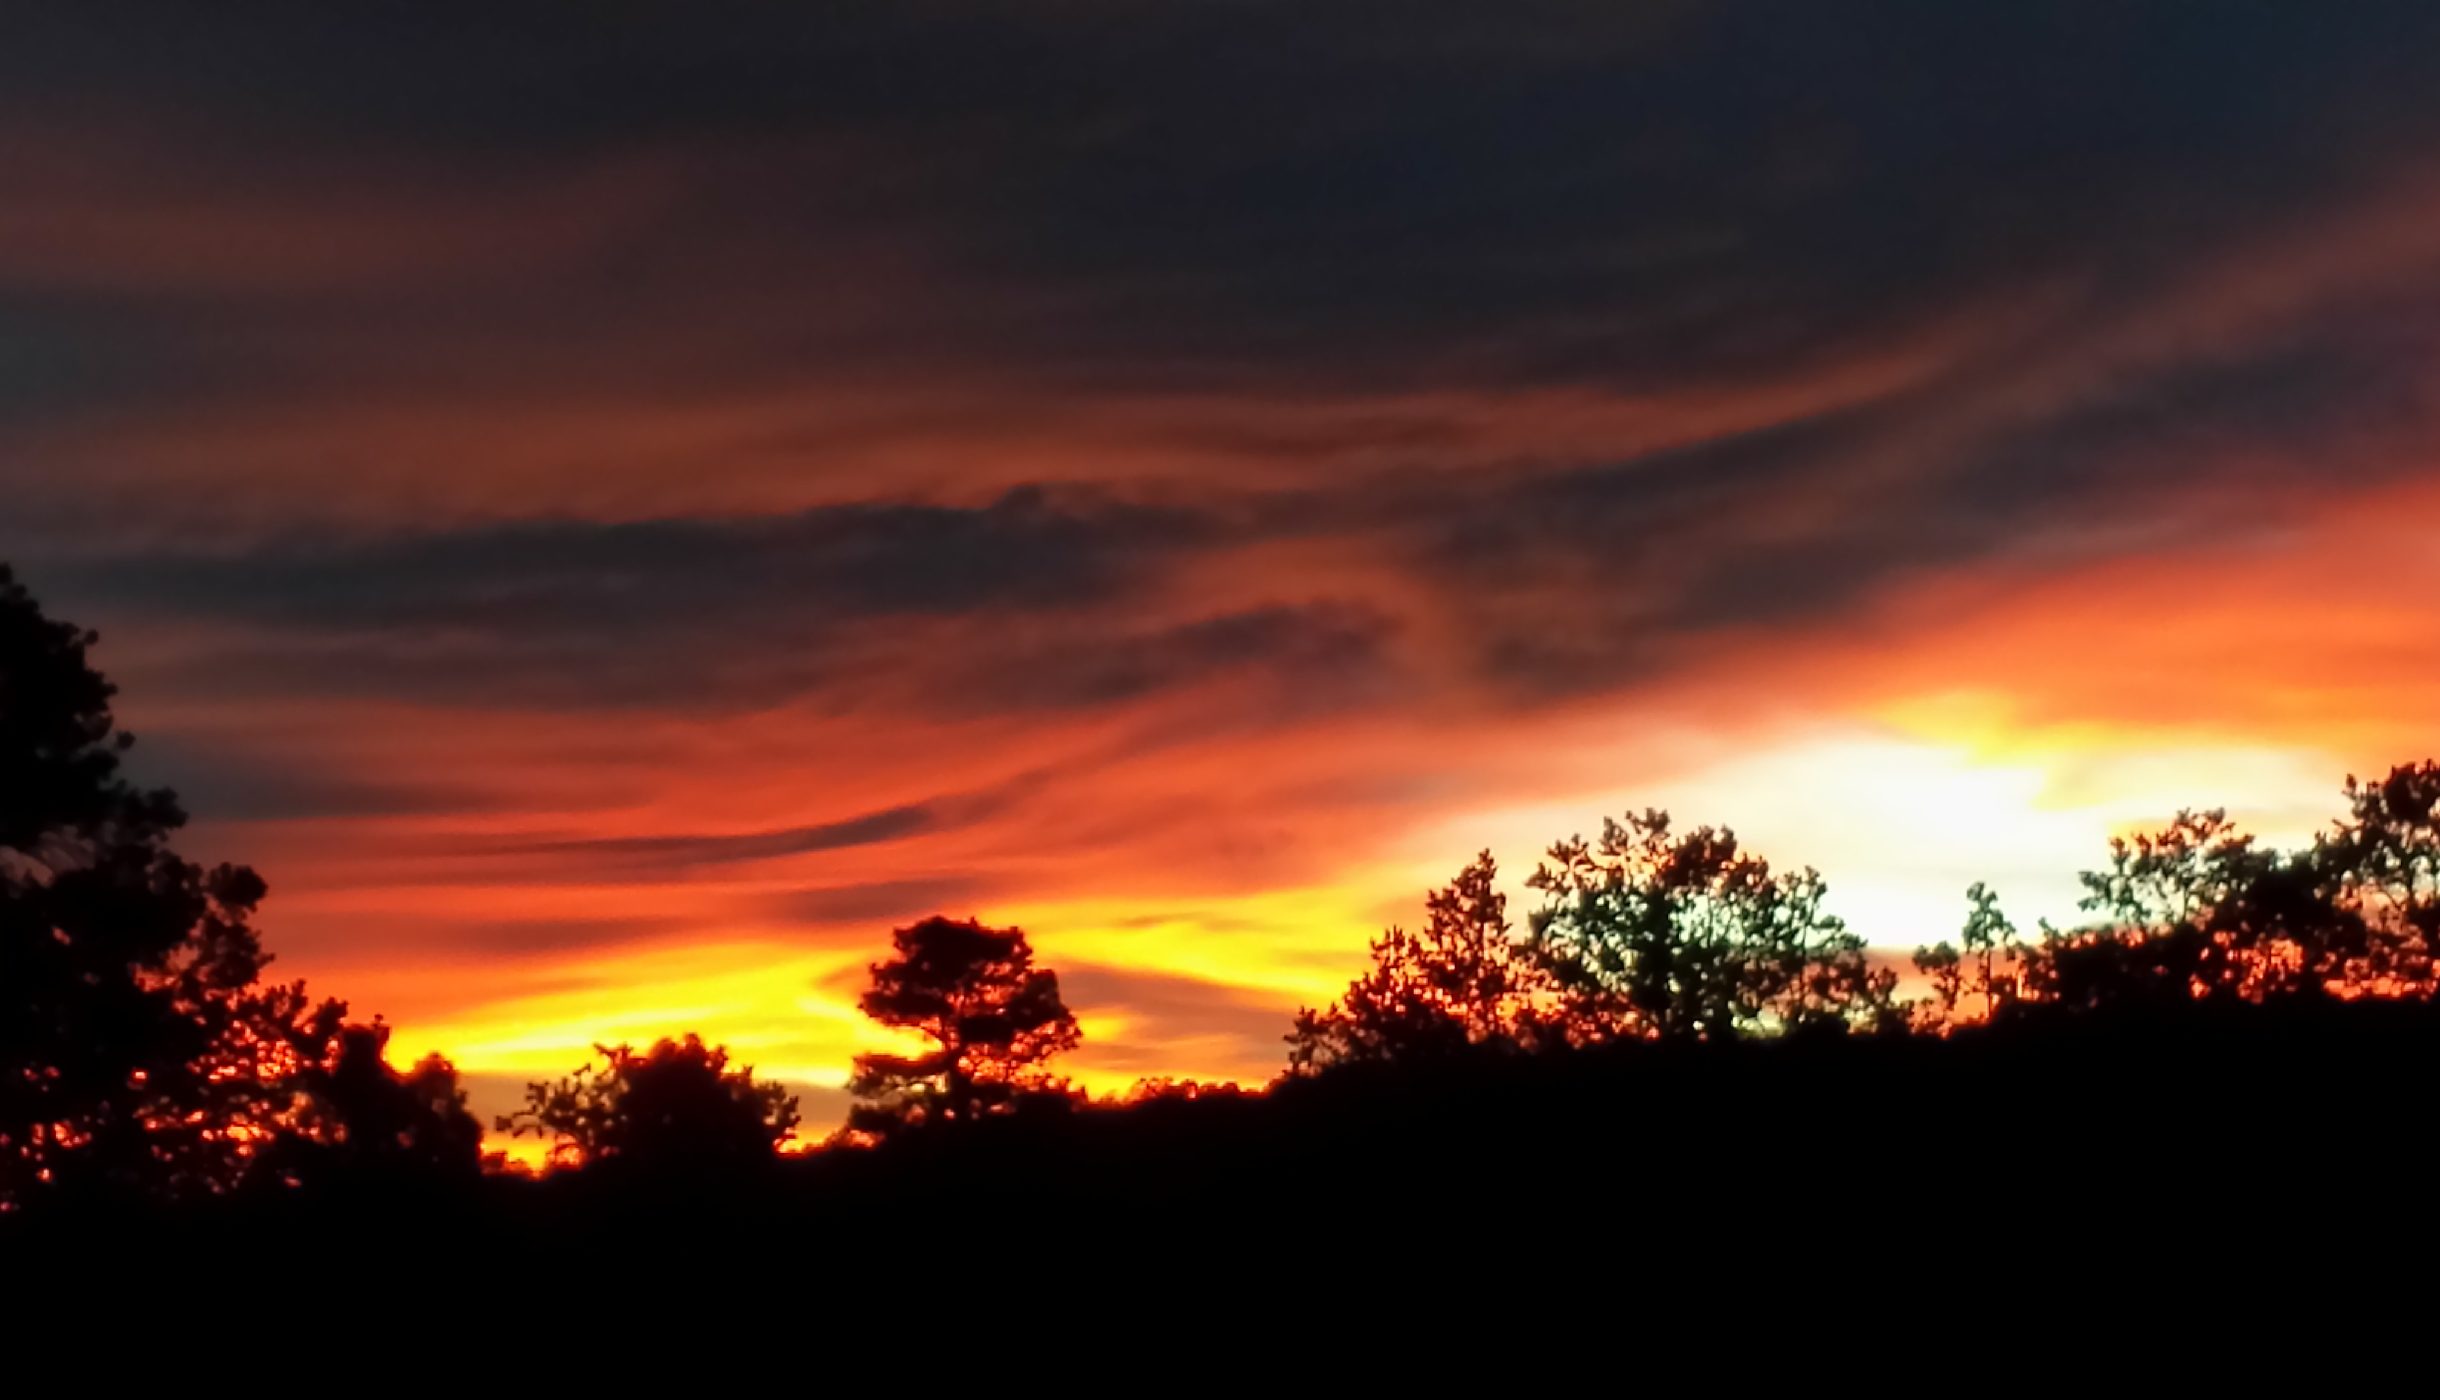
column 769, row 1004
column 1901, row 823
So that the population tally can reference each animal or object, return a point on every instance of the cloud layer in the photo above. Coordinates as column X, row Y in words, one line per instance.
column 729, row 477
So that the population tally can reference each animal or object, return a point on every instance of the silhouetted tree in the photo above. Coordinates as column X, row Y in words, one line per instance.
column 2154, row 903
column 1655, row 936
column 356, row 1118
column 138, row 1047
column 1463, row 981
column 2382, row 866
column 1979, row 980
column 994, row 1019
column 678, row 1106
column 2198, row 912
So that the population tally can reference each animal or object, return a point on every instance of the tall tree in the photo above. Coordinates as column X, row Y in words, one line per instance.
column 139, row 1048
column 677, row 1107
column 1658, row 936
column 994, row 1020
column 1462, row 981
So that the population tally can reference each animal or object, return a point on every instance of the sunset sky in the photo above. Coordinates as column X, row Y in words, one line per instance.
column 613, row 514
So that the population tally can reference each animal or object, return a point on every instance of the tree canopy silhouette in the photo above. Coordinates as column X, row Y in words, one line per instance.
column 139, row 1047
column 2199, row 912
column 1462, row 981
column 2191, row 911
column 2381, row 864
column 994, row 1020
column 677, row 1107
column 1655, row 936
column 357, row 1119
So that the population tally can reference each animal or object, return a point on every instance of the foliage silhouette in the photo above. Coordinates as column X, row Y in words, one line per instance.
column 1461, row 983
column 2381, row 865
column 1654, row 936
column 2172, row 922
column 678, row 1108
column 2199, row 912
column 994, row 1020
column 140, row 1051
column 360, row 1121
column 1981, row 979
column 1164, row 1089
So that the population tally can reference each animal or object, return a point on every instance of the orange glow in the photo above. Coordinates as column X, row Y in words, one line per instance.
column 1197, row 891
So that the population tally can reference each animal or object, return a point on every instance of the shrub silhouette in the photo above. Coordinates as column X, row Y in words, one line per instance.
column 677, row 1107
column 994, row 1019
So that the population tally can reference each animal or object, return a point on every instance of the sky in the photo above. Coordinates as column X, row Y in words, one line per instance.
column 613, row 513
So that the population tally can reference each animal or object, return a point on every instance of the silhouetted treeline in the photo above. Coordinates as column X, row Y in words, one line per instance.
column 1678, row 1050
column 1647, row 935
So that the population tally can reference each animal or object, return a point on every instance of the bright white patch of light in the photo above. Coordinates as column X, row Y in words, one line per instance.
column 1900, row 826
